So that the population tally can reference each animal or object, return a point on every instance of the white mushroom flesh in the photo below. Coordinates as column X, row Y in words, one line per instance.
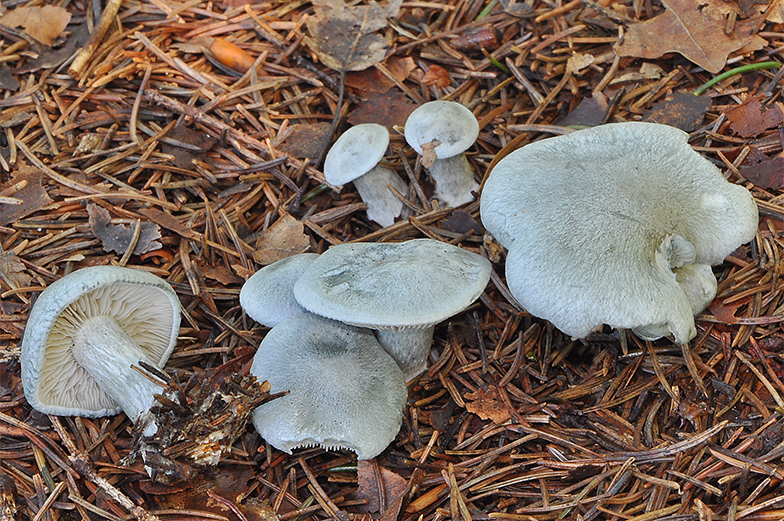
column 454, row 180
column 373, row 187
column 409, row 347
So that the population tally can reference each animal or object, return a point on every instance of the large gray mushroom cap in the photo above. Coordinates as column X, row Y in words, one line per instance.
column 598, row 222
column 447, row 122
column 268, row 296
column 346, row 392
column 412, row 284
column 144, row 306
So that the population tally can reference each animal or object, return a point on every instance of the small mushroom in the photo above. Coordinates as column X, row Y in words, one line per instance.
column 616, row 225
column 442, row 131
column 402, row 290
column 355, row 157
column 268, row 296
column 346, row 392
column 84, row 334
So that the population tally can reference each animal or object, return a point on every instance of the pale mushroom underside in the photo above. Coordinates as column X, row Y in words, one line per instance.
column 54, row 381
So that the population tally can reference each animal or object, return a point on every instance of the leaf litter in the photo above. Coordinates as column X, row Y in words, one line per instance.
column 513, row 420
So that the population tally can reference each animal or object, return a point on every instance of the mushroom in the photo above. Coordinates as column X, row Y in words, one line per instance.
column 84, row 334
column 402, row 290
column 616, row 225
column 268, row 296
column 355, row 157
column 442, row 131
column 346, row 392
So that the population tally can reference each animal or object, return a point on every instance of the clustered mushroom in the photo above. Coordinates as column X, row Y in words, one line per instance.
column 618, row 225
column 378, row 302
column 86, row 333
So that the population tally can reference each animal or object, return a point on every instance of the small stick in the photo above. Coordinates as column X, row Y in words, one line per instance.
column 107, row 18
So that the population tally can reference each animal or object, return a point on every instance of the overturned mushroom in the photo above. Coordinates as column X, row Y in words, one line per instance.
column 442, row 131
column 346, row 392
column 355, row 157
column 616, row 225
column 86, row 333
column 401, row 290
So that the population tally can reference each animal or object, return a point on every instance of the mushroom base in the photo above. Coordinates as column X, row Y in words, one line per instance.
column 409, row 347
column 454, row 180
column 107, row 353
column 373, row 188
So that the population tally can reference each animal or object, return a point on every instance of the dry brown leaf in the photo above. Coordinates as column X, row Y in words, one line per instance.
column 577, row 62
column 393, row 486
column 44, row 24
column 117, row 237
column 12, row 271
column 682, row 110
column 221, row 274
column 487, row 404
column 169, row 222
column 371, row 80
column 29, row 190
column 283, row 239
column 684, row 29
column 767, row 174
column 306, row 139
column 388, row 109
column 725, row 313
column 344, row 38
column 751, row 119
column 436, row 76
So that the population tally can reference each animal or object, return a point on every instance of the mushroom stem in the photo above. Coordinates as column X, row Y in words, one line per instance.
column 107, row 353
column 373, row 188
column 409, row 347
column 454, row 180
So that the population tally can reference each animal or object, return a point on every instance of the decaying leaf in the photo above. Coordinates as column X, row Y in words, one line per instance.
column 590, row 112
column 221, row 274
column 306, row 139
column 373, row 480
column 283, row 239
column 682, row 110
column 344, row 38
column 25, row 186
column 767, row 174
column 169, row 222
column 388, row 109
column 371, row 80
column 577, row 62
column 725, row 313
column 186, row 144
column 685, row 29
column 44, row 24
column 750, row 118
column 118, row 237
column 436, row 76
column 12, row 271
column 487, row 404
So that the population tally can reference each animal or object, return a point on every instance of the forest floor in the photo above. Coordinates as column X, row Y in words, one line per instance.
column 189, row 142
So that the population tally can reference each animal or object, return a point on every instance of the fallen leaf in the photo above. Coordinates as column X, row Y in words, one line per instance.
column 765, row 174
column 12, row 271
column 371, row 80
column 389, row 109
column 7, row 79
column 483, row 37
column 750, row 118
column 487, row 404
column 117, row 237
column 461, row 222
column 436, row 76
column 283, row 239
column 725, row 313
column 221, row 274
column 577, row 62
column 186, row 144
column 344, row 38
column 370, row 486
column 32, row 194
column 590, row 112
column 682, row 110
column 306, row 140
column 44, row 24
column 685, row 29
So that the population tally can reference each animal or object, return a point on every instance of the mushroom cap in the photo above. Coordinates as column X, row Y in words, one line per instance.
column 355, row 153
column 268, row 296
column 345, row 390
column 450, row 123
column 585, row 215
column 417, row 283
column 144, row 305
